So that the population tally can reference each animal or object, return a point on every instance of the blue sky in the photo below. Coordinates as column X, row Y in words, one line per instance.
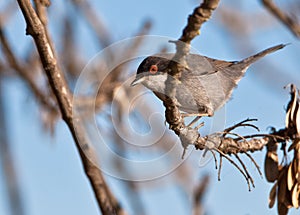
column 50, row 173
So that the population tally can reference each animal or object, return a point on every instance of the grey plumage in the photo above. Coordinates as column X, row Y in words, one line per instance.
column 205, row 85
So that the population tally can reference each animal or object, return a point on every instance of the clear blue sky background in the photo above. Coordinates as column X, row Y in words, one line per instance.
column 50, row 172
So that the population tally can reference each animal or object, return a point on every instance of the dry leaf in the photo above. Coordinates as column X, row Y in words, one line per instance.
column 282, row 186
column 282, row 209
column 271, row 162
column 283, row 194
column 272, row 195
column 295, row 196
column 290, row 177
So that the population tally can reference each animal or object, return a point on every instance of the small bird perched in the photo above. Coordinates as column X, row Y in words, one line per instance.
column 205, row 85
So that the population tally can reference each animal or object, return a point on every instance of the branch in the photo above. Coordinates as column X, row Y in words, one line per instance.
column 10, row 176
column 41, row 11
column 200, row 15
column 292, row 24
column 106, row 202
column 199, row 194
column 114, row 79
column 23, row 72
column 96, row 23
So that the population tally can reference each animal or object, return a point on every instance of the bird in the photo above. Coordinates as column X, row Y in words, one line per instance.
column 205, row 85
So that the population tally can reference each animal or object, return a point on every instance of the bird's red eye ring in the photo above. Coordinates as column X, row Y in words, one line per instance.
column 153, row 69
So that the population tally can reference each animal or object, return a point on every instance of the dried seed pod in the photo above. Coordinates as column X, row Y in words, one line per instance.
column 282, row 209
column 271, row 161
column 272, row 195
column 295, row 195
column 292, row 121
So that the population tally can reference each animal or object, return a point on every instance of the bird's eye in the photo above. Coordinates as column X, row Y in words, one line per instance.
column 153, row 69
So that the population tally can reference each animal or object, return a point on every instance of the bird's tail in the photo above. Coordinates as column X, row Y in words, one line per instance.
column 232, row 74
column 249, row 60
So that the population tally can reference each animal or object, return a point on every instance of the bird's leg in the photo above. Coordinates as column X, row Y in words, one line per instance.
column 193, row 121
column 199, row 126
column 197, row 117
column 240, row 124
column 193, row 114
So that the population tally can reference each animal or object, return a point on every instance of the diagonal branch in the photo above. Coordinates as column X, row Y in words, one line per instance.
column 8, row 163
column 292, row 24
column 41, row 11
column 23, row 72
column 199, row 194
column 106, row 201
column 96, row 23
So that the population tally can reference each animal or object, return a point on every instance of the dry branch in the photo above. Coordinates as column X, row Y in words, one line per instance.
column 8, row 163
column 106, row 201
column 199, row 193
column 96, row 23
column 291, row 23
column 23, row 71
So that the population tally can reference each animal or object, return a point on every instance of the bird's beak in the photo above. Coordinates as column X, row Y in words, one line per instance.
column 139, row 79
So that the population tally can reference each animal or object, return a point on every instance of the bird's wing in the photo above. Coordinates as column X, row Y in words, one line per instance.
column 209, row 90
column 212, row 79
column 206, row 84
column 193, row 96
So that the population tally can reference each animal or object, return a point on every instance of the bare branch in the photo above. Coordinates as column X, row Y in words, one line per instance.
column 237, row 166
column 7, row 12
column 253, row 161
column 41, row 11
column 200, row 15
column 249, row 178
column 292, row 24
column 242, row 123
column 22, row 71
column 9, row 165
column 106, row 202
column 102, row 33
column 199, row 193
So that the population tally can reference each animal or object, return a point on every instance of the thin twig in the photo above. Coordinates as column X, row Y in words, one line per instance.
column 277, row 137
column 41, row 11
column 215, row 158
column 199, row 194
column 102, row 33
column 245, row 170
column 7, row 12
column 235, row 164
column 240, row 124
column 253, row 161
column 8, row 163
column 220, row 167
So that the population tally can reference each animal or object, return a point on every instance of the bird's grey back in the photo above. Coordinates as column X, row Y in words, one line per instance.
column 207, row 83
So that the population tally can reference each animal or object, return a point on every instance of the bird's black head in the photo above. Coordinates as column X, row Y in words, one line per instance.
column 151, row 66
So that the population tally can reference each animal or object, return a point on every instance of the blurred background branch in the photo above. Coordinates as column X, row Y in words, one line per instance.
column 291, row 22
column 35, row 28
